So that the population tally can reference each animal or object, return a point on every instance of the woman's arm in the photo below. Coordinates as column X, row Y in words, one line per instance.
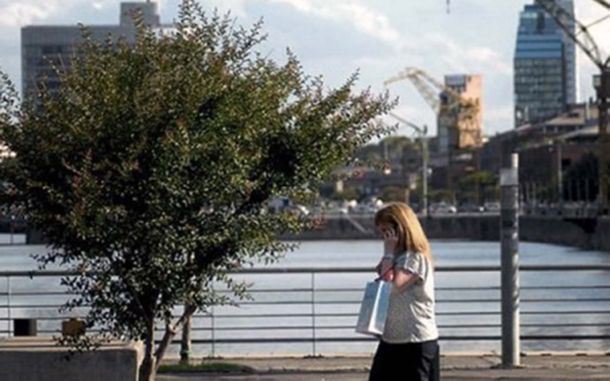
column 403, row 279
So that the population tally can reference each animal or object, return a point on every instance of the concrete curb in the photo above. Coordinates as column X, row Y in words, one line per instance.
column 543, row 363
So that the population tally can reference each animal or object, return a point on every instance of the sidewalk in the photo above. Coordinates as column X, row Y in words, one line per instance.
column 591, row 366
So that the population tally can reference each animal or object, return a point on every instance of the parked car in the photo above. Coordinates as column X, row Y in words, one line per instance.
column 365, row 208
column 471, row 208
column 442, row 208
column 492, row 207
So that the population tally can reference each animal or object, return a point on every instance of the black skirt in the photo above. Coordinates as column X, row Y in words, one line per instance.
column 406, row 362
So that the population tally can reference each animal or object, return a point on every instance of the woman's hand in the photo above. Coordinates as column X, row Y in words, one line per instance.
column 385, row 269
column 390, row 241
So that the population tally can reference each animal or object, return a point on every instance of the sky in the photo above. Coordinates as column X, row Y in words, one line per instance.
column 334, row 38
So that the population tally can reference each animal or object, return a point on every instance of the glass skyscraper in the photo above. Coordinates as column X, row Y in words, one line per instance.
column 545, row 77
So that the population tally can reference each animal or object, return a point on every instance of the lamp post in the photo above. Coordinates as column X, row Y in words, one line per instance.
column 423, row 138
column 602, row 86
column 558, row 144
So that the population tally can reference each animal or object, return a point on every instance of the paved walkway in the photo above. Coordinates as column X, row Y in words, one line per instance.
column 473, row 368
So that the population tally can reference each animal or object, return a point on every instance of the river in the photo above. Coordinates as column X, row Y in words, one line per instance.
column 477, row 317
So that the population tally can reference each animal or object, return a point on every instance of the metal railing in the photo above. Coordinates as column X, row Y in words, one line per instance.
column 316, row 306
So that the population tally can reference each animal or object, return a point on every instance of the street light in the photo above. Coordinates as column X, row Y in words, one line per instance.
column 423, row 138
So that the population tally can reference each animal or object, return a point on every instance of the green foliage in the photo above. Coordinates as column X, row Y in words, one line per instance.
column 581, row 180
column 390, row 194
column 441, row 195
column 150, row 169
column 478, row 187
column 395, row 147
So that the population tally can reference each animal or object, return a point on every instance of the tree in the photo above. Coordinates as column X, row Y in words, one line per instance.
column 150, row 169
column 581, row 180
column 391, row 150
column 392, row 194
column 476, row 187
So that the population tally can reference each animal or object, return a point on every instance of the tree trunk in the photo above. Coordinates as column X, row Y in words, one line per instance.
column 148, row 369
column 185, row 344
column 170, row 332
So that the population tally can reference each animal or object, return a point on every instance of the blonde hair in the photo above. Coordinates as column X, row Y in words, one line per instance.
column 411, row 236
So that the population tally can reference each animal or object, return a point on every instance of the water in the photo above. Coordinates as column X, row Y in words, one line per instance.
column 479, row 316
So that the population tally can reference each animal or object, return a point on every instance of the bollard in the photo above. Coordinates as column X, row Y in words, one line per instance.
column 509, row 233
column 25, row 327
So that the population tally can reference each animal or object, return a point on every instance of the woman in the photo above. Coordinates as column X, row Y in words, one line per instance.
column 408, row 349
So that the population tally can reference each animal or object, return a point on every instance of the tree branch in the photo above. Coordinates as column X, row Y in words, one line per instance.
column 171, row 330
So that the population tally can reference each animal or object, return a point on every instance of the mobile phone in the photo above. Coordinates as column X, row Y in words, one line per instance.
column 395, row 228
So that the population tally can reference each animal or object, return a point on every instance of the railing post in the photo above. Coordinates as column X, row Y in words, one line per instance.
column 12, row 229
column 212, row 323
column 8, row 306
column 313, row 312
column 509, row 181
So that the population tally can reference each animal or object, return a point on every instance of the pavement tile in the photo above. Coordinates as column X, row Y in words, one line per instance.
column 571, row 367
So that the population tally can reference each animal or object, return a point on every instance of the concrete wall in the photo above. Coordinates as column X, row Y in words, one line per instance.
column 601, row 237
column 560, row 232
column 39, row 359
column 339, row 227
column 478, row 227
column 474, row 227
column 553, row 230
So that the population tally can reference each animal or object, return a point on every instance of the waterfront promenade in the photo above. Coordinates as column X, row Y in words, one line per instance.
column 564, row 308
column 542, row 366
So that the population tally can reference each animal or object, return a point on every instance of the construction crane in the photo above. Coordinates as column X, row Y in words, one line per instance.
column 587, row 44
column 453, row 110
column 422, row 132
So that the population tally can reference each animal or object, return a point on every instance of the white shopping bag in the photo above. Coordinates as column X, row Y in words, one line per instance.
column 374, row 308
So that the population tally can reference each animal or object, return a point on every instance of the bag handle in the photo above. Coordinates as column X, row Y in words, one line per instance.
column 381, row 276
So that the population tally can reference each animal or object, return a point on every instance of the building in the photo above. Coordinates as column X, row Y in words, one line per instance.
column 44, row 47
column 545, row 67
column 460, row 131
column 579, row 120
column 551, row 156
column 464, row 129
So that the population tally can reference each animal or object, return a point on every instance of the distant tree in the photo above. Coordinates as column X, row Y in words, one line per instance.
column 149, row 171
column 477, row 186
column 581, row 180
column 369, row 154
column 441, row 195
column 392, row 146
column 397, row 145
column 389, row 194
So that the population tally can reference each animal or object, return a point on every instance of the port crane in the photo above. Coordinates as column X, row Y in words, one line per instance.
column 451, row 107
column 422, row 133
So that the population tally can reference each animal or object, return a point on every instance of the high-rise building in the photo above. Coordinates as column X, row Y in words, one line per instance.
column 545, row 69
column 572, row 92
column 46, row 46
